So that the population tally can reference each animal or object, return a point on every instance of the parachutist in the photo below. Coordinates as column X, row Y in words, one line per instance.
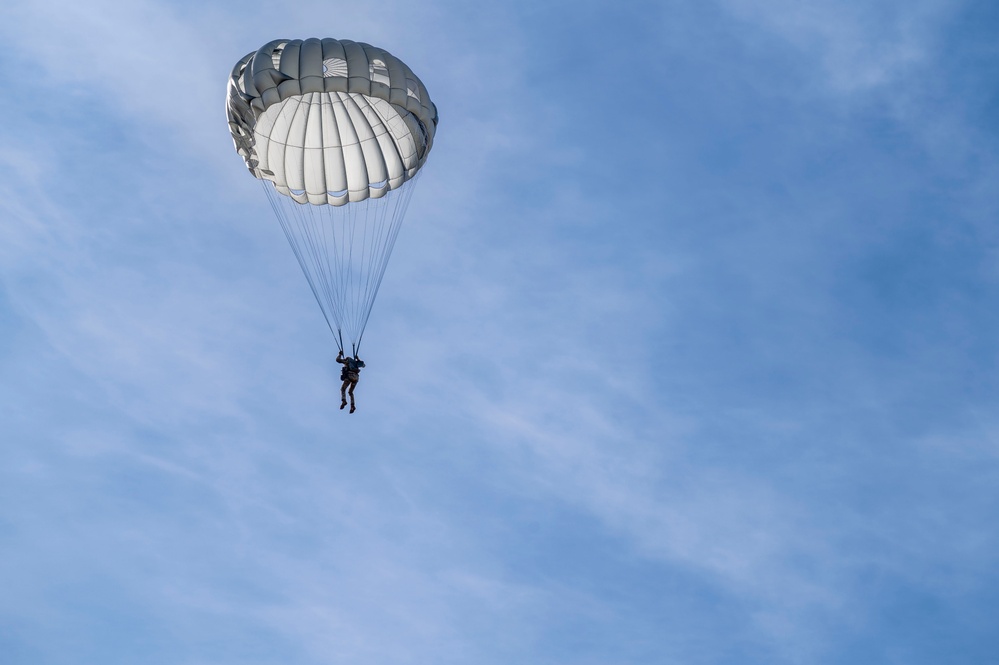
column 349, row 374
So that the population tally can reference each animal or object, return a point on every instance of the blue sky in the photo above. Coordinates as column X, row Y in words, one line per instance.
column 687, row 352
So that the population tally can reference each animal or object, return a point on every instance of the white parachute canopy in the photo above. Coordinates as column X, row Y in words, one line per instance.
column 337, row 132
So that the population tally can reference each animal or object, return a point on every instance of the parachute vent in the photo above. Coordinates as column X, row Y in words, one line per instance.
column 412, row 89
column 334, row 67
column 379, row 71
column 276, row 55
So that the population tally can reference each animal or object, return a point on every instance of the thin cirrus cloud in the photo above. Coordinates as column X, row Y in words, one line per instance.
column 859, row 47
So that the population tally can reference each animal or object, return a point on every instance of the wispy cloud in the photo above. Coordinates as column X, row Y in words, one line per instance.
column 860, row 47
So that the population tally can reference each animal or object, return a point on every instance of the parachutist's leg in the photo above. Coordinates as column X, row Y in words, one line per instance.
column 353, row 384
column 343, row 395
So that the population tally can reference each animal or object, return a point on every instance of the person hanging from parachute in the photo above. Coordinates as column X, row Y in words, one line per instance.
column 337, row 133
column 349, row 374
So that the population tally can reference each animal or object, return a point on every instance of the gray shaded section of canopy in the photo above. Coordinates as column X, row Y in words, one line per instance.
column 329, row 121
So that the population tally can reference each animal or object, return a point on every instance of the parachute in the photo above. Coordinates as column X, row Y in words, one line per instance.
column 336, row 132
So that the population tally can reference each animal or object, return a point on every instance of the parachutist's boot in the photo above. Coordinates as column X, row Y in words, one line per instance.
column 352, row 408
column 343, row 404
